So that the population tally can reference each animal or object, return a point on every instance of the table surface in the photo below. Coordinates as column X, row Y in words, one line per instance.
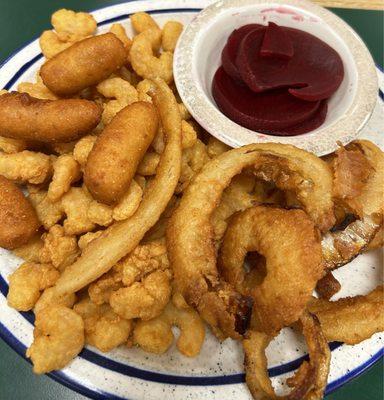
column 22, row 20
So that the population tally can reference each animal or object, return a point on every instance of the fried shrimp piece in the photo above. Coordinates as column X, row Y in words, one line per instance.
column 196, row 275
column 310, row 380
column 121, row 238
column 18, row 219
column 58, row 338
column 120, row 32
column 145, row 299
column 104, row 329
column 31, row 250
column 143, row 60
column 51, row 45
column 37, row 90
column 75, row 205
column 27, row 283
column 83, row 148
column 101, row 290
column 352, row 319
column 49, row 121
column 63, row 148
column 291, row 246
column 215, row 147
column 84, row 64
column 121, row 146
column 72, row 26
column 170, row 35
column 48, row 213
column 129, row 203
column 100, row 214
column 148, row 164
column 8, row 145
column 358, row 176
column 142, row 21
column 143, row 88
column 119, row 89
column 155, row 335
column 189, row 135
column 87, row 238
column 46, row 300
column 66, row 170
column 26, row 166
column 193, row 160
column 143, row 260
column 59, row 249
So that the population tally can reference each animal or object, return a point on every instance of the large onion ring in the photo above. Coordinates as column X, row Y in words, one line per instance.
column 190, row 236
column 310, row 380
column 122, row 237
column 291, row 246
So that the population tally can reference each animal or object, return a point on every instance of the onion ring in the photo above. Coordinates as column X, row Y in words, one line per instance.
column 190, row 235
column 351, row 319
column 362, row 192
column 291, row 246
column 122, row 237
column 310, row 380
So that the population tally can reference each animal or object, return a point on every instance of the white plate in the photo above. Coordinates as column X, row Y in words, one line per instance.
column 217, row 373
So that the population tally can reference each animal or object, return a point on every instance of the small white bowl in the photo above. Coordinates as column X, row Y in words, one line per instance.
column 198, row 55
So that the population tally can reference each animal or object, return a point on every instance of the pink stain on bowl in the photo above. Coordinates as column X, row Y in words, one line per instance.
column 298, row 18
column 280, row 10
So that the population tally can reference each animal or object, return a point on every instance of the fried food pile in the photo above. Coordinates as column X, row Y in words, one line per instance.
column 137, row 220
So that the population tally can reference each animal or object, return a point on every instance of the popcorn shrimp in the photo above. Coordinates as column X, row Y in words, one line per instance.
column 58, row 338
column 170, row 35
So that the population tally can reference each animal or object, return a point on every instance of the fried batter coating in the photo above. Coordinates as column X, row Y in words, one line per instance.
column 327, row 286
column 103, row 328
column 31, row 250
column 63, row 148
column 145, row 299
column 58, row 338
column 72, row 26
column 26, row 166
column 129, row 203
column 66, row 170
column 18, row 219
column 84, row 64
column 189, row 135
column 51, row 45
column 142, row 21
column 48, row 213
column 143, row 60
column 58, row 249
column 8, row 145
column 37, row 90
column 27, row 283
column 143, row 88
column 101, row 290
column 87, row 238
column 148, row 164
column 143, row 260
column 100, row 214
column 75, row 205
column 215, row 147
column 352, row 319
column 155, row 335
column 120, row 147
column 119, row 89
column 83, row 148
column 291, row 246
column 49, row 121
column 120, row 32
column 170, row 35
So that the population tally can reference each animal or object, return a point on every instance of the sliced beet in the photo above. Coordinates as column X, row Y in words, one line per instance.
column 308, row 125
column 313, row 73
column 267, row 111
column 229, row 53
column 276, row 43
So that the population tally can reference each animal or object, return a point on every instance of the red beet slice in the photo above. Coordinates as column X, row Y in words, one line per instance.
column 229, row 53
column 276, row 43
column 308, row 125
column 266, row 111
column 313, row 73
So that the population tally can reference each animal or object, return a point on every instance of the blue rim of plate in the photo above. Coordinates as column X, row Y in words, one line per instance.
column 134, row 372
